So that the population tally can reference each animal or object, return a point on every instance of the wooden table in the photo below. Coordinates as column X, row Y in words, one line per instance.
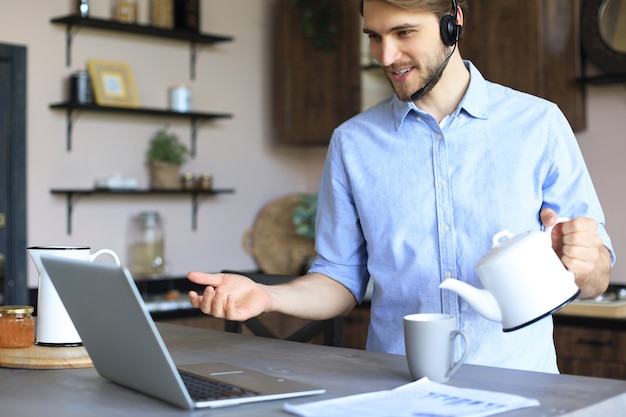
column 82, row 392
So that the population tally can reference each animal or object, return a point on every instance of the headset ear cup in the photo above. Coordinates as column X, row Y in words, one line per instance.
column 449, row 32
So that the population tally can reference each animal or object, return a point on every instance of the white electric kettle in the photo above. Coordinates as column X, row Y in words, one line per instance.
column 523, row 278
column 54, row 325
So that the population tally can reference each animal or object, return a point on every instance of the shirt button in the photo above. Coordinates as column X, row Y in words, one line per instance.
column 445, row 228
column 448, row 274
column 418, row 118
column 442, row 181
column 439, row 137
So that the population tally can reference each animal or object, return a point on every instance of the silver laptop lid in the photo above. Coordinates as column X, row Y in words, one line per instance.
column 116, row 328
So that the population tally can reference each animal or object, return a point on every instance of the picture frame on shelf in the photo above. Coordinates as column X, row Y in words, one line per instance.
column 113, row 83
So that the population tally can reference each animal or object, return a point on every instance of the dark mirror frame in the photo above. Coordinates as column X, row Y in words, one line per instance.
column 594, row 46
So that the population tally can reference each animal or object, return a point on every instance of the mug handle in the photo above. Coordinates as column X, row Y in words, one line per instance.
column 109, row 252
column 456, row 365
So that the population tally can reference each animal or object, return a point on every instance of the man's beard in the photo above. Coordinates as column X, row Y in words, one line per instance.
column 433, row 74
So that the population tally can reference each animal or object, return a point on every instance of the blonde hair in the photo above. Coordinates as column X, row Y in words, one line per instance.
column 439, row 7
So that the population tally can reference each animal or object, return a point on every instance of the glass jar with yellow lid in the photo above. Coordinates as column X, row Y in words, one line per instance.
column 17, row 326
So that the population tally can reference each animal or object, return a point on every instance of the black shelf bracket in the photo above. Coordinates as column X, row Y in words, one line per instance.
column 71, row 199
column 193, row 52
column 72, row 195
column 194, row 212
column 68, row 45
column 194, row 136
column 70, row 125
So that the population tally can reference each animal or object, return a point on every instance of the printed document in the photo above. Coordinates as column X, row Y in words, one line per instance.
column 422, row 398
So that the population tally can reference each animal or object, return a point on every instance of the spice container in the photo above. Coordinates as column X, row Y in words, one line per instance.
column 80, row 88
column 180, row 98
column 126, row 11
column 188, row 181
column 205, row 181
column 17, row 326
column 146, row 258
column 162, row 12
column 83, row 8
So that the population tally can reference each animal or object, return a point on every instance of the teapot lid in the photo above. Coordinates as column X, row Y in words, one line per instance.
column 505, row 242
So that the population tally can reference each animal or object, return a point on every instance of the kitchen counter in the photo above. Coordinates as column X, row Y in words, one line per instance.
column 82, row 392
column 610, row 305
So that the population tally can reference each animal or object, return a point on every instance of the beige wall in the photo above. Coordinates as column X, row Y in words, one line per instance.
column 231, row 77
column 603, row 144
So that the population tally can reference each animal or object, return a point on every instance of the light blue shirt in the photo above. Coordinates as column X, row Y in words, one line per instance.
column 410, row 203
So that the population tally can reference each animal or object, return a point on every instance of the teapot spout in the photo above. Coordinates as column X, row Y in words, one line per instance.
column 482, row 301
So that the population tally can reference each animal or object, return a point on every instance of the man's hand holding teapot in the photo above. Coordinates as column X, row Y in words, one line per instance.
column 581, row 250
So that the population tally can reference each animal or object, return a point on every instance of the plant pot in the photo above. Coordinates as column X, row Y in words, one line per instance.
column 164, row 176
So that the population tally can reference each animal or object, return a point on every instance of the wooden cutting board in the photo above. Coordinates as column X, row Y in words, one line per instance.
column 612, row 310
column 44, row 357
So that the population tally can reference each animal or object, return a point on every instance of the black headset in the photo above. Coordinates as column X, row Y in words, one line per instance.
column 450, row 31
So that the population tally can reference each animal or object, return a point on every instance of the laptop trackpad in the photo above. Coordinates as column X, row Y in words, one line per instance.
column 245, row 378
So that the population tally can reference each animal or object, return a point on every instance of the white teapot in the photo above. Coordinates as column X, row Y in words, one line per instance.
column 523, row 277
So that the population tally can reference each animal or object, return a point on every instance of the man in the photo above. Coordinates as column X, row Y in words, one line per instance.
column 414, row 188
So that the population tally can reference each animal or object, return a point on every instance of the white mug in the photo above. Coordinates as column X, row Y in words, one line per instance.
column 54, row 326
column 429, row 340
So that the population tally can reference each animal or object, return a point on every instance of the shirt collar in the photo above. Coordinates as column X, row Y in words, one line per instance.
column 474, row 102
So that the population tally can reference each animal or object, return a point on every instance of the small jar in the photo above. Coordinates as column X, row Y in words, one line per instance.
column 188, row 181
column 205, row 182
column 162, row 12
column 180, row 98
column 83, row 8
column 17, row 326
column 126, row 11
column 80, row 88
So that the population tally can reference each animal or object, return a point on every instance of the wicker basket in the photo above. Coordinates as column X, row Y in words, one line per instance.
column 164, row 176
column 273, row 242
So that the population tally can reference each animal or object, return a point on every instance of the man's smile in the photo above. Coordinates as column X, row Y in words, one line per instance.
column 400, row 75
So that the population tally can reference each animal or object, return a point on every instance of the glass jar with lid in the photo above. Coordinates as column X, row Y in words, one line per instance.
column 146, row 246
column 125, row 11
column 17, row 326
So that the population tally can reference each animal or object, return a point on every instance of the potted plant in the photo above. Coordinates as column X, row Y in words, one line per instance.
column 303, row 215
column 166, row 154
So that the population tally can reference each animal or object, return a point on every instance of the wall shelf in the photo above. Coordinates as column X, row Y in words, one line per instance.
column 194, row 117
column 194, row 38
column 605, row 79
column 72, row 196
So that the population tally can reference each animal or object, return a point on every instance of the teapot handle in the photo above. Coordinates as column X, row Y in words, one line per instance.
column 548, row 229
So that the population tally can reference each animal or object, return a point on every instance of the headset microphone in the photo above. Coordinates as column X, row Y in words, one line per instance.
column 419, row 93
column 450, row 34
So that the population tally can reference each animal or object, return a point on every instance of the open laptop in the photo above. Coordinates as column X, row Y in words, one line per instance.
column 126, row 347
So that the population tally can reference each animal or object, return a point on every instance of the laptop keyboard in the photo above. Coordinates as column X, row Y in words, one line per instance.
column 204, row 389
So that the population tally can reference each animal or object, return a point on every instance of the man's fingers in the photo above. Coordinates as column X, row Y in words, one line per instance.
column 548, row 217
column 217, row 302
column 204, row 278
column 195, row 299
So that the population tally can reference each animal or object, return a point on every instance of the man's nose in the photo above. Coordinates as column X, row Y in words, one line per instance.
column 389, row 53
